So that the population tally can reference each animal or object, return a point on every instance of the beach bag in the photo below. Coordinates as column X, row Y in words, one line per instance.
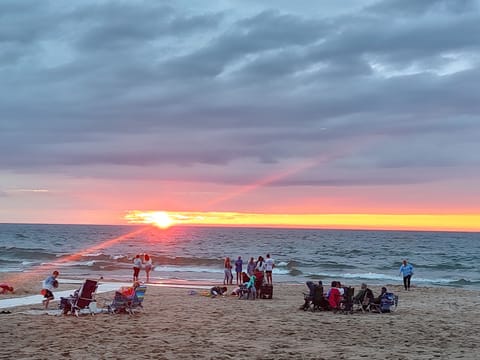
column 266, row 291
column 386, row 302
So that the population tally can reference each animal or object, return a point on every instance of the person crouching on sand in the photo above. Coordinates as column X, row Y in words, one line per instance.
column 49, row 284
column 217, row 290
column 6, row 288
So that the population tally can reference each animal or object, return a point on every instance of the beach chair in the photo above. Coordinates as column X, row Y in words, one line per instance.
column 346, row 305
column 388, row 303
column 244, row 292
column 126, row 302
column 83, row 298
column 266, row 291
column 364, row 303
column 319, row 302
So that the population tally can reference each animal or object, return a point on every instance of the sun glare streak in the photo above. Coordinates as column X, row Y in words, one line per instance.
column 265, row 181
column 46, row 268
column 321, row 159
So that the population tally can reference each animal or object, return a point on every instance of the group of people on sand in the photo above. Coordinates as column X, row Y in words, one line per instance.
column 258, row 273
column 337, row 296
column 265, row 266
column 142, row 261
column 250, row 284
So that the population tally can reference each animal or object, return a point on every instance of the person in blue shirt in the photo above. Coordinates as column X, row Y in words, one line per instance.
column 407, row 271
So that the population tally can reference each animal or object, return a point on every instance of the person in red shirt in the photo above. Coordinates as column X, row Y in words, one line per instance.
column 5, row 288
column 334, row 296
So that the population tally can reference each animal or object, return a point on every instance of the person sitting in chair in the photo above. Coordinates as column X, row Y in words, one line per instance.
column 358, row 298
column 309, row 298
column 334, row 297
column 364, row 296
column 378, row 299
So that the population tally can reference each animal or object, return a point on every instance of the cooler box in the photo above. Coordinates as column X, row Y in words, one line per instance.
column 266, row 291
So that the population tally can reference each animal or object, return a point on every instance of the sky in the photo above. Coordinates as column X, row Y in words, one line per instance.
column 302, row 108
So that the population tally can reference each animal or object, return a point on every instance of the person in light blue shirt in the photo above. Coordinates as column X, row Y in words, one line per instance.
column 407, row 271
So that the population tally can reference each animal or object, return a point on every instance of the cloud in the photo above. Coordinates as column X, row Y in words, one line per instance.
column 225, row 94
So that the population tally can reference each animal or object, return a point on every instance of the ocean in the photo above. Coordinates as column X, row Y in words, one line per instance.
column 197, row 253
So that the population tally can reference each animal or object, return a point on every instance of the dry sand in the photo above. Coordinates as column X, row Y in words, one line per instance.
column 429, row 323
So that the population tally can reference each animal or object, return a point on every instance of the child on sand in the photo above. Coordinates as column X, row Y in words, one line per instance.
column 6, row 288
column 49, row 284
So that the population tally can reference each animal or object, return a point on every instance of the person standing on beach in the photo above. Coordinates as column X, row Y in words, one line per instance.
column 48, row 285
column 407, row 271
column 228, row 279
column 260, row 265
column 147, row 262
column 269, row 265
column 251, row 266
column 239, row 269
column 137, row 265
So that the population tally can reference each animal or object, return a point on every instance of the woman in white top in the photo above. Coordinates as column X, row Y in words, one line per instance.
column 147, row 262
column 260, row 264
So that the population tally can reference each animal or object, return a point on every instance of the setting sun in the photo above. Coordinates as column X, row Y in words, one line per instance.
column 160, row 219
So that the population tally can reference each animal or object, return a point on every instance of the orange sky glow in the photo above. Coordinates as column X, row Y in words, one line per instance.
column 438, row 222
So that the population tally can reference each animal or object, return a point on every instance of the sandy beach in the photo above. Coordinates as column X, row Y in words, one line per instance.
column 429, row 323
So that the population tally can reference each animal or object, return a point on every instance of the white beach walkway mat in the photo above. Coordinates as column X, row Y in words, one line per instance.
column 102, row 288
column 37, row 299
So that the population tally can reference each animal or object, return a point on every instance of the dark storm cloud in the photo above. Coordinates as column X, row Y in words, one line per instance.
column 150, row 85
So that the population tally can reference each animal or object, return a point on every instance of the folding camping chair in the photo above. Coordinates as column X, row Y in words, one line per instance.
column 128, row 302
column 83, row 298
column 388, row 303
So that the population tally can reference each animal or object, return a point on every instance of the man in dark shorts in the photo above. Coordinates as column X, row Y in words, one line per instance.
column 49, row 284
column 269, row 265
